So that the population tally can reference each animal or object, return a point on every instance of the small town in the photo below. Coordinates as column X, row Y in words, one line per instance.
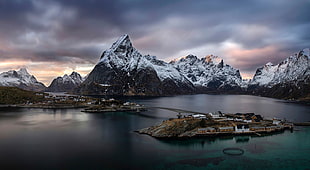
column 91, row 105
column 243, row 123
column 217, row 124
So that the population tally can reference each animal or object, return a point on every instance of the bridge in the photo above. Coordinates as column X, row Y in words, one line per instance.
column 180, row 111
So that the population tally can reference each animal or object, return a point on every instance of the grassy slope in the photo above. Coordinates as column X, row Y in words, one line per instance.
column 14, row 95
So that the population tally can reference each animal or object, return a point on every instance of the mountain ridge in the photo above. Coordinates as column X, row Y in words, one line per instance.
column 66, row 83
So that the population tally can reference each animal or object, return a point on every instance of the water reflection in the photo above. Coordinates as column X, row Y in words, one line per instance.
column 242, row 139
column 68, row 138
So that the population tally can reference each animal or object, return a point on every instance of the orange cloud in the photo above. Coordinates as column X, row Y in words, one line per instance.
column 240, row 53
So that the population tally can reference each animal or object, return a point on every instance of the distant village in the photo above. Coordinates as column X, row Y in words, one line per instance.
column 92, row 105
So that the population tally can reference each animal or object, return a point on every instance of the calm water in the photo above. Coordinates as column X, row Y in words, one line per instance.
column 70, row 139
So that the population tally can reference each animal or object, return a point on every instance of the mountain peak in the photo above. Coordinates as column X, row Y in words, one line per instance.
column 23, row 71
column 74, row 73
column 306, row 52
column 21, row 79
column 122, row 42
column 66, row 83
column 191, row 56
column 212, row 59
column 120, row 53
column 269, row 64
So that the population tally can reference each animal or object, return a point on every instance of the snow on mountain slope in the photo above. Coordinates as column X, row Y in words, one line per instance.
column 129, row 72
column 293, row 68
column 66, row 83
column 209, row 71
column 21, row 79
column 200, row 72
column 124, row 56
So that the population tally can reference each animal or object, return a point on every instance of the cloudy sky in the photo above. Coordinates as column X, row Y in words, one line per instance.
column 54, row 37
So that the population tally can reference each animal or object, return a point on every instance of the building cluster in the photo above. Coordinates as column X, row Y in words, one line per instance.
column 239, row 123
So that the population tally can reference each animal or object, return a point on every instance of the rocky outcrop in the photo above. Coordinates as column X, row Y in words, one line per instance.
column 173, row 128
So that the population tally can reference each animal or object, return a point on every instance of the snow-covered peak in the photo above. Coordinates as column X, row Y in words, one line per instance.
column 200, row 72
column 306, row 52
column 121, row 42
column 20, row 78
column 13, row 77
column 121, row 54
column 23, row 71
column 212, row 59
column 205, row 71
column 269, row 64
column 66, row 83
column 187, row 59
column 293, row 68
column 74, row 78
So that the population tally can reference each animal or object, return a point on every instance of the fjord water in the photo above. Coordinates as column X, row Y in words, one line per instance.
column 70, row 139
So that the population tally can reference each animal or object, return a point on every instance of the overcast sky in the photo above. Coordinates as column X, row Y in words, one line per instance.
column 53, row 37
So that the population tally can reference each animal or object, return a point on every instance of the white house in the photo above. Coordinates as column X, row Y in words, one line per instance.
column 215, row 115
column 242, row 128
column 199, row 116
column 276, row 121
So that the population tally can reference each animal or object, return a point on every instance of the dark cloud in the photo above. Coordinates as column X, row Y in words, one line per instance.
column 79, row 30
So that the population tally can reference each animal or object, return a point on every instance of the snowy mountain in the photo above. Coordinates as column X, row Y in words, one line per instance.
column 289, row 79
column 65, row 83
column 122, row 70
column 293, row 68
column 21, row 79
column 208, row 72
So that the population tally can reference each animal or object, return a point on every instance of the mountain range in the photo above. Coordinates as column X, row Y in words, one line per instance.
column 123, row 70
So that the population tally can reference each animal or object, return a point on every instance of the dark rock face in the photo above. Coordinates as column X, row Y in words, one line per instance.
column 106, row 81
column 295, row 90
column 65, row 83
column 38, row 87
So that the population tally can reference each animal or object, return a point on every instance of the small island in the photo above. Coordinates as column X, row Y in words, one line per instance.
column 216, row 124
